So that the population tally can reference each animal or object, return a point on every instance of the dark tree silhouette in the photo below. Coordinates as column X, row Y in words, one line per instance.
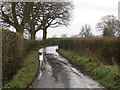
column 85, row 31
column 15, row 14
column 53, row 14
column 108, row 25
column 35, row 16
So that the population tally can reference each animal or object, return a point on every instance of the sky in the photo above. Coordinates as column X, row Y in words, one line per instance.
column 85, row 12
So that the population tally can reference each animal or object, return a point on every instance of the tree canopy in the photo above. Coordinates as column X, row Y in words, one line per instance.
column 35, row 16
column 85, row 31
column 109, row 25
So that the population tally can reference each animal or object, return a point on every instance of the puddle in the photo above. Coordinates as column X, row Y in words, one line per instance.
column 53, row 66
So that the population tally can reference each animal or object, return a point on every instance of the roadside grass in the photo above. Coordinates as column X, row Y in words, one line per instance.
column 107, row 76
column 27, row 73
column 88, row 64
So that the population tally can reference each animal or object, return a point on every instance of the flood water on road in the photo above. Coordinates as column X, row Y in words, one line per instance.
column 56, row 72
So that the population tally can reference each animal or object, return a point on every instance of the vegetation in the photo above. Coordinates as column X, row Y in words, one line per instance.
column 104, row 49
column 109, row 26
column 27, row 73
column 14, row 48
column 85, row 31
column 87, row 63
column 0, row 59
column 35, row 16
column 108, row 75
column 0, row 38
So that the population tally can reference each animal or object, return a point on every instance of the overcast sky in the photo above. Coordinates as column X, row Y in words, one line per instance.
column 85, row 12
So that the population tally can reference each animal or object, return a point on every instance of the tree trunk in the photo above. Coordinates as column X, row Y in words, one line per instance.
column 32, row 31
column 32, row 36
column 20, row 29
column 44, row 34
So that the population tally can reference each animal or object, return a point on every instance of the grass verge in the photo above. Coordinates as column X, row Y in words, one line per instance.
column 108, row 76
column 27, row 73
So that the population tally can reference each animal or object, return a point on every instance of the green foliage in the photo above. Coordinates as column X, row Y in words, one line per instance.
column 88, row 64
column 14, row 48
column 108, row 76
column 27, row 73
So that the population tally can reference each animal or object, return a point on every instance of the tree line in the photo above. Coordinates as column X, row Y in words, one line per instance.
column 35, row 16
column 109, row 26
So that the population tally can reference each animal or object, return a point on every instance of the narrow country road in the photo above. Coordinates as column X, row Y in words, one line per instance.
column 57, row 72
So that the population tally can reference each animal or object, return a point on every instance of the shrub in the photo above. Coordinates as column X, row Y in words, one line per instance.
column 105, row 49
column 14, row 48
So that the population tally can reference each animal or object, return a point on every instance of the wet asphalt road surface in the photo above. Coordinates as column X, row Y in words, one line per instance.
column 56, row 72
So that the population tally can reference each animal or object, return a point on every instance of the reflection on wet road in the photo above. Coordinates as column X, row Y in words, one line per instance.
column 57, row 72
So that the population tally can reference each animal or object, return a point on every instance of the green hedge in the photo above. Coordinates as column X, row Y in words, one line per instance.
column 104, row 49
column 14, row 48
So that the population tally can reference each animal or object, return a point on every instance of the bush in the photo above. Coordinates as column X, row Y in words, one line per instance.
column 105, row 49
column 14, row 48
column 21, row 79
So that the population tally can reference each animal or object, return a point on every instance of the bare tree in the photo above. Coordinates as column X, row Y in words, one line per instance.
column 35, row 16
column 15, row 14
column 85, row 31
column 117, row 33
column 53, row 14
column 108, row 25
column 46, row 15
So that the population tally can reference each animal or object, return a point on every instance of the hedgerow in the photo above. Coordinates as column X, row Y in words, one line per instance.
column 14, row 48
column 103, row 48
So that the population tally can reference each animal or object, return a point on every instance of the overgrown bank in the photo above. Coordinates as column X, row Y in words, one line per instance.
column 107, row 75
column 105, row 49
column 14, row 49
column 27, row 73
